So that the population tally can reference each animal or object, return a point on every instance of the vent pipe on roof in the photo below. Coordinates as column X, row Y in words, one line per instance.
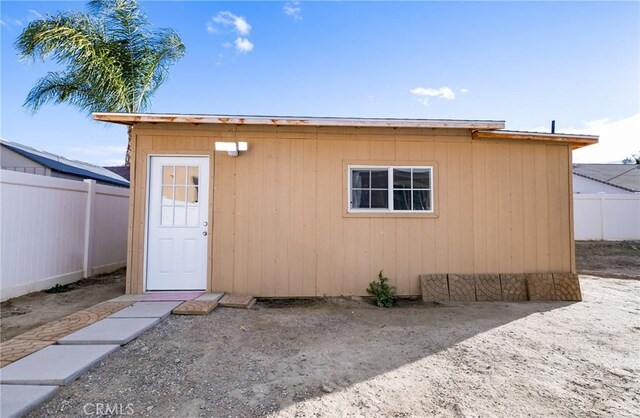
column 553, row 126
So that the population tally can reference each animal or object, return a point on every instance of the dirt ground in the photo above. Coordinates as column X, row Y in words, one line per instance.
column 349, row 358
column 619, row 259
column 21, row 314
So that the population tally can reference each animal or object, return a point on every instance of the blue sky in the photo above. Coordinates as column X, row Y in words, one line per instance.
column 524, row 62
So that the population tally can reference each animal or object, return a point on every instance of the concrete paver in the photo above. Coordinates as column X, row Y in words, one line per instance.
column 146, row 310
column 54, row 365
column 110, row 331
column 16, row 348
column 195, row 307
column 211, row 296
column 237, row 301
column 17, row 400
column 54, row 330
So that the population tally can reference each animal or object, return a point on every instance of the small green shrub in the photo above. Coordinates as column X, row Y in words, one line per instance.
column 382, row 291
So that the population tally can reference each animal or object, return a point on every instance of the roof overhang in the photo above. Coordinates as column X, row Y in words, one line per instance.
column 133, row 118
column 576, row 141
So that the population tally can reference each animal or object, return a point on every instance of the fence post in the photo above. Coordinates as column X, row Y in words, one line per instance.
column 88, row 228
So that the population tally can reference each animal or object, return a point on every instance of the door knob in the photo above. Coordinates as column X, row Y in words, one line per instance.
column 204, row 233
column 205, row 223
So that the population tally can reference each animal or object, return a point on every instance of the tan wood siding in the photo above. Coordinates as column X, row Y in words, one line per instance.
column 280, row 228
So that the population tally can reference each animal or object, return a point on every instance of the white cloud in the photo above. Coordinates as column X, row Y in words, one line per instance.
column 35, row 14
column 618, row 139
column 243, row 45
column 293, row 9
column 424, row 93
column 10, row 22
column 463, row 90
column 229, row 20
column 444, row 92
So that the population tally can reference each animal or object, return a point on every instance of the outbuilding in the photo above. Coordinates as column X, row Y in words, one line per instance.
column 316, row 206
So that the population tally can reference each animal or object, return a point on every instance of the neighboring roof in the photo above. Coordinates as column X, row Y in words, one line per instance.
column 578, row 141
column 121, row 170
column 132, row 118
column 622, row 176
column 64, row 165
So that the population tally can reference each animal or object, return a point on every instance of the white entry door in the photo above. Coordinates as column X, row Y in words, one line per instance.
column 178, row 223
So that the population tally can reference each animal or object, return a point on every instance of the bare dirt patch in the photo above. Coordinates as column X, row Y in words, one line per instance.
column 23, row 313
column 349, row 358
column 619, row 259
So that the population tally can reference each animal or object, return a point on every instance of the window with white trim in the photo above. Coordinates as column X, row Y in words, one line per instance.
column 390, row 189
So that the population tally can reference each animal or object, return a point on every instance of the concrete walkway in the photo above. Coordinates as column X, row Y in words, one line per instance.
column 34, row 364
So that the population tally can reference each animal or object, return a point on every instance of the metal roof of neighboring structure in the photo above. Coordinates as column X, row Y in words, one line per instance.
column 64, row 165
column 622, row 176
column 132, row 118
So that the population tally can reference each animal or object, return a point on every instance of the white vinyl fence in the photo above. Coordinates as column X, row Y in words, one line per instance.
column 57, row 231
column 604, row 216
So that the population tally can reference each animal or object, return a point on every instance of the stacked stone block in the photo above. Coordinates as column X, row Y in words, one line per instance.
column 500, row 287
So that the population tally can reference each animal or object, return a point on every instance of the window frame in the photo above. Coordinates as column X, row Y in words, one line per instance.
column 391, row 209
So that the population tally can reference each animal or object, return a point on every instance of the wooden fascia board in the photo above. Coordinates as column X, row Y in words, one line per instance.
column 133, row 118
column 576, row 141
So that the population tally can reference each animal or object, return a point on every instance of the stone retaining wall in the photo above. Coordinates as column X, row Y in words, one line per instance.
column 500, row 287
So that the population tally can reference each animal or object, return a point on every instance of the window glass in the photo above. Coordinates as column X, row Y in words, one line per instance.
column 401, row 178
column 360, row 199
column 379, row 179
column 421, row 199
column 379, row 199
column 410, row 188
column 192, row 176
column 360, row 179
column 179, row 196
column 402, row 199
column 421, row 178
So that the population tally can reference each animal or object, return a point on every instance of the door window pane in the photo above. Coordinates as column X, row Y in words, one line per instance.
column 166, row 216
column 192, row 194
column 192, row 216
column 180, row 216
column 192, row 176
column 180, row 195
column 167, row 195
column 167, row 174
column 181, row 176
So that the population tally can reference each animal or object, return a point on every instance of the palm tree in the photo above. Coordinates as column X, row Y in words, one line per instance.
column 114, row 60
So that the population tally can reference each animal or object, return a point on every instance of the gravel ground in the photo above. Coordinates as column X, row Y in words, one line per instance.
column 348, row 358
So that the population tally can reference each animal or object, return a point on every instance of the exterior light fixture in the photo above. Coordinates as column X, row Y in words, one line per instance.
column 231, row 148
